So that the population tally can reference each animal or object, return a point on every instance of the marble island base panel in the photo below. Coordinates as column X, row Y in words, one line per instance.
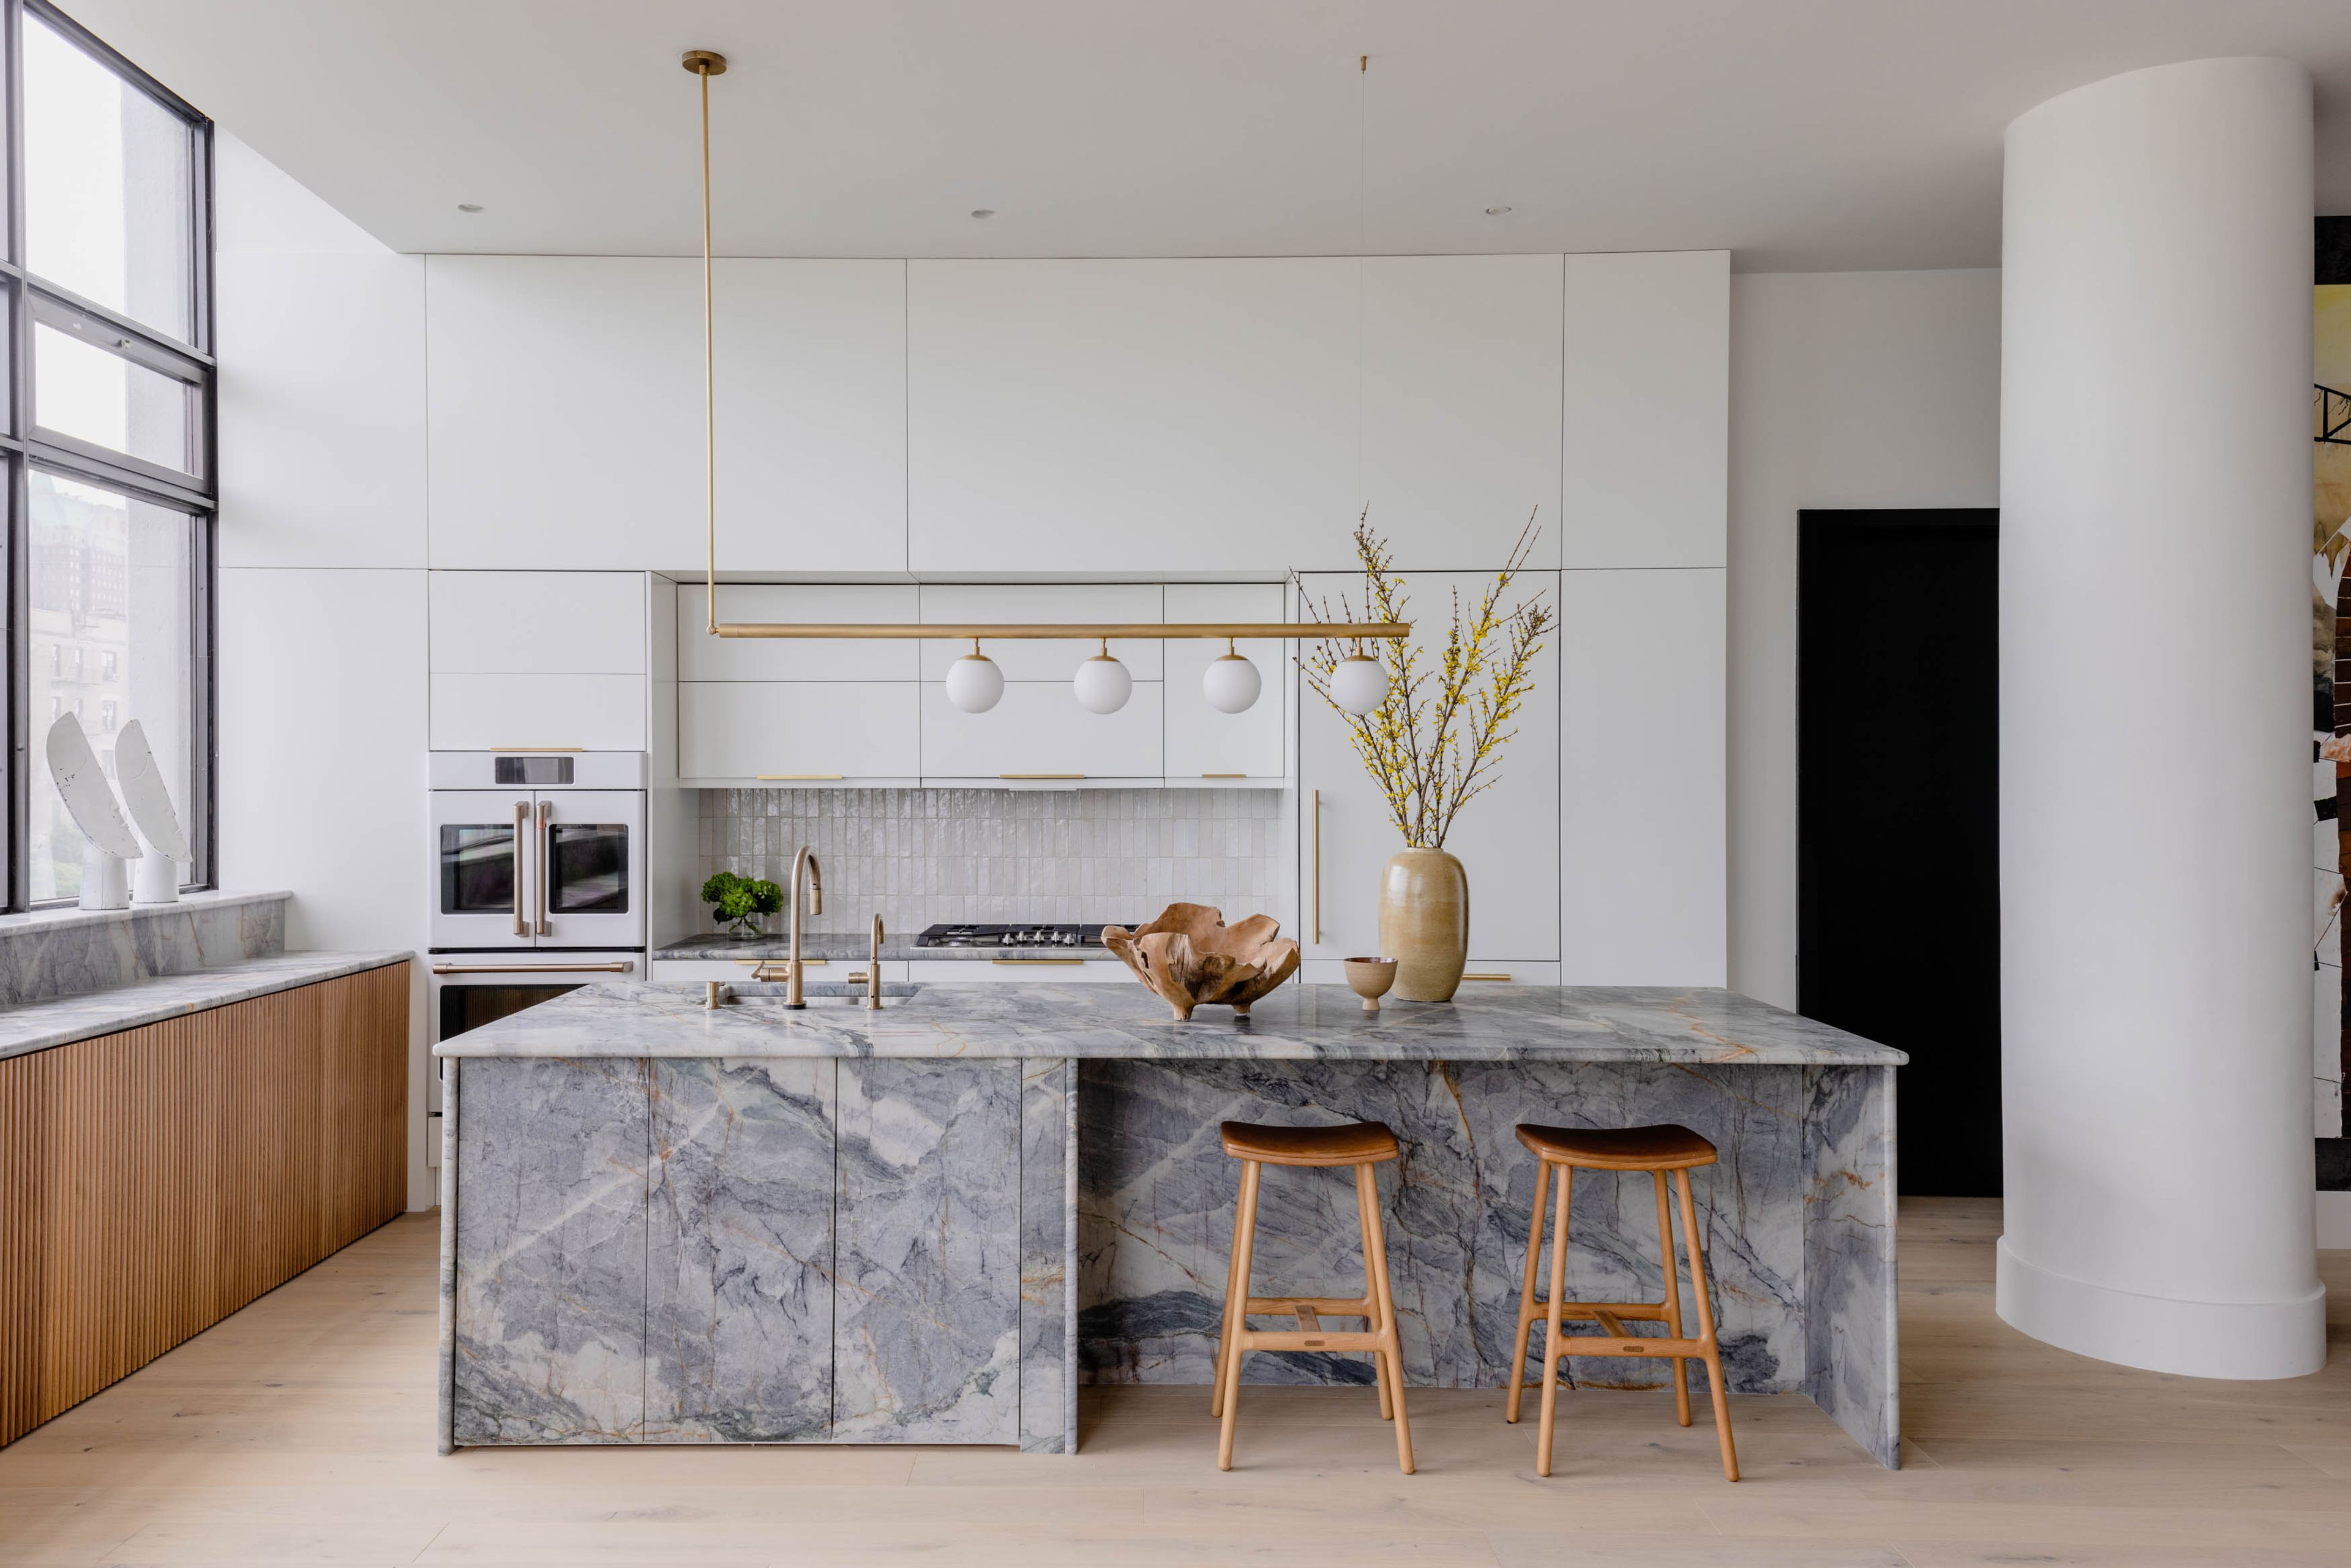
column 797, row 1249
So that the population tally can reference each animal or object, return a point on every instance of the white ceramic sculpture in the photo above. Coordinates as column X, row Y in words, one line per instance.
column 157, row 880
column 108, row 844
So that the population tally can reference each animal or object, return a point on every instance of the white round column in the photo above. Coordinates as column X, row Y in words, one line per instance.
column 2155, row 722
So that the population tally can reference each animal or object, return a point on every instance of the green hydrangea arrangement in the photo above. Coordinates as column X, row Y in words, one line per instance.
column 738, row 902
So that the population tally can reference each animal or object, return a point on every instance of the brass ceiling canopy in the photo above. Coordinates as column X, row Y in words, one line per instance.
column 708, row 63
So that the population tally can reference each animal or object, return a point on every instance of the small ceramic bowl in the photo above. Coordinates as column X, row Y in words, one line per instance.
column 1370, row 979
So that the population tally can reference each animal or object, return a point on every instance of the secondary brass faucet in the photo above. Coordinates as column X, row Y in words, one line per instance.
column 805, row 860
column 873, row 969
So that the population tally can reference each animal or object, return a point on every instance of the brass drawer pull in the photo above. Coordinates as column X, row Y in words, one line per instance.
column 1485, row 976
column 622, row 968
column 1040, row 776
column 785, row 778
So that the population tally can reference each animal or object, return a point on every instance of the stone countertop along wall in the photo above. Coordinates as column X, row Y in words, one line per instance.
column 69, row 952
column 1567, row 1023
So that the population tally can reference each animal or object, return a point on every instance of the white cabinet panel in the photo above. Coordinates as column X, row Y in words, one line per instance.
column 1646, row 411
column 1507, row 839
column 1017, row 603
column 539, row 623
column 1200, row 740
column 1038, row 729
column 703, row 657
column 1461, row 405
column 535, row 712
column 1643, row 852
column 744, row 730
column 567, row 413
column 1132, row 415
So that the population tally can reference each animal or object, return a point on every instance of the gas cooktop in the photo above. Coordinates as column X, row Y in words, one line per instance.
column 981, row 935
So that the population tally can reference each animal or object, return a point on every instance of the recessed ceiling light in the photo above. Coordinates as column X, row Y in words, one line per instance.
column 983, row 211
column 469, row 206
column 1496, row 212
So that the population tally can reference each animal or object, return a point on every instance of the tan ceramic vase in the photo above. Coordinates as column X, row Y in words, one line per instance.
column 1425, row 923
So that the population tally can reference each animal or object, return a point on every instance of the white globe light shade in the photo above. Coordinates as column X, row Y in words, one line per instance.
column 1231, row 683
column 1358, row 684
column 974, row 682
column 1103, row 684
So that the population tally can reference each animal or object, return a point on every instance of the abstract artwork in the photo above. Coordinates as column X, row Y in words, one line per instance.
column 2331, row 684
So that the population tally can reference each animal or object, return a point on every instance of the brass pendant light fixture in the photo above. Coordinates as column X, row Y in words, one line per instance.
column 1094, row 685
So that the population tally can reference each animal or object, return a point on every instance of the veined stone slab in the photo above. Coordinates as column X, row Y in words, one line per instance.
column 738, row 1309
column 927, row 1340
column 549, row 1283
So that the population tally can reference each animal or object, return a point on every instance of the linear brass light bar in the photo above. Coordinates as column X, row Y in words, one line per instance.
column 705, row 64
column 1075, row 631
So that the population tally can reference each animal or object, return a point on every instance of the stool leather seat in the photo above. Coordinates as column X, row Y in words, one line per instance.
column 1664, row 1147
column 1350, row 1143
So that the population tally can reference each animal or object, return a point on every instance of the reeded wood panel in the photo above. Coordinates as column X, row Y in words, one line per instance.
column 154, row 1181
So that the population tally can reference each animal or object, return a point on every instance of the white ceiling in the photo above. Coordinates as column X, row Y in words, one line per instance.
column 1801, row 134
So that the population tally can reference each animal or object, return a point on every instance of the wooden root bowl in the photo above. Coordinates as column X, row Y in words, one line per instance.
column 1189, row 955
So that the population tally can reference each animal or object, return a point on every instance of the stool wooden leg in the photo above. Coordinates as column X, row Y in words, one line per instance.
column 1552, row 1319
column 1526, row 1291
column 1706, row 1324
column 1672, row 1304
column 1368, row 1194
column 1236, row 1310
column 1367, row 1219
column 1232, row 1319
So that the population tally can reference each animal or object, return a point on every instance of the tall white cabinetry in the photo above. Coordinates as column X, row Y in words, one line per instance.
column 526, row 659
column 1507, row 839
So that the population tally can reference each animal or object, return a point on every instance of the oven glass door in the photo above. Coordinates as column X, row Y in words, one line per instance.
column 484, row 854
column 592, row 845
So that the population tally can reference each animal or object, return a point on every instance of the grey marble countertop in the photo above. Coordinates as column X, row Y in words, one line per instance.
column 60, row 1021
column 1560, row 1023
column 857, row 945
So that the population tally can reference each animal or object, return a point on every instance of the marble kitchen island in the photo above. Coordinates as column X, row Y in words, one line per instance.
column 666, row 1224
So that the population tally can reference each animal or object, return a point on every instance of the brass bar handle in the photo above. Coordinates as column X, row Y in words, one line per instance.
column 1040, row 776
column 788, row 778
column 1485, row 976
column 522, row 826
column 1318, row 868
column 1023, row 963
column 536, row 750
column 546, row 862
column 620, row 968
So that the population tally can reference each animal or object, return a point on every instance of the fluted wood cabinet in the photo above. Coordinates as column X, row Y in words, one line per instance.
column 154, row 1181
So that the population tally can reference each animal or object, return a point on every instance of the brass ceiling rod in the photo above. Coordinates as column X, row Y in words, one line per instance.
column 705, row 64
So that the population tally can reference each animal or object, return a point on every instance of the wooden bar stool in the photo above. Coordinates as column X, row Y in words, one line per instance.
column 1655, row 1150
column 1362, row 1144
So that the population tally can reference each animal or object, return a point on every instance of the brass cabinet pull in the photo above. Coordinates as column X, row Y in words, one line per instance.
column 1017, row 962
column 1040, row 776
column 622, row 967
column 1318, row 868
column 786, row 778
column 1485, row 976
column 546, row 862
column 522, row 826
column 1224, row 775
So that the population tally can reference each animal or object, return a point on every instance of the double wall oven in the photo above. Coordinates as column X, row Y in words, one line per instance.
column 538, row 879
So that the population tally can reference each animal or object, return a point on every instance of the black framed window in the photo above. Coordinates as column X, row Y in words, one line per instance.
column 108, row 437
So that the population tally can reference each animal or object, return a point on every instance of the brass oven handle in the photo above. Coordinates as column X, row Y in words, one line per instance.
column 522, row 826
column 545, row 865
column 1318, row 868
column 622, row 967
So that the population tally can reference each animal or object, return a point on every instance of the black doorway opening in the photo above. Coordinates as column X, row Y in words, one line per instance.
column 1897, row 836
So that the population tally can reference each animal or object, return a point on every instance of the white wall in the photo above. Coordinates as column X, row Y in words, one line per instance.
column 321, row 608
column 1848, row 389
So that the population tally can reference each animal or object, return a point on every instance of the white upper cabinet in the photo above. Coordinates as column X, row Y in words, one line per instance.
column 1642, row 864
column 1646, row 413
column 1461, row 407
column 800, row 732
column 539, row 623
column 1507, row 839
column 1203, row 742
column 1054, row 659
column 1036, row 729
column 1132, row 416
column 703, row 657
column 567, row 414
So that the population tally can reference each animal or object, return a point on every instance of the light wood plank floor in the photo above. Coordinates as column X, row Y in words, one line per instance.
column 300, row 1431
